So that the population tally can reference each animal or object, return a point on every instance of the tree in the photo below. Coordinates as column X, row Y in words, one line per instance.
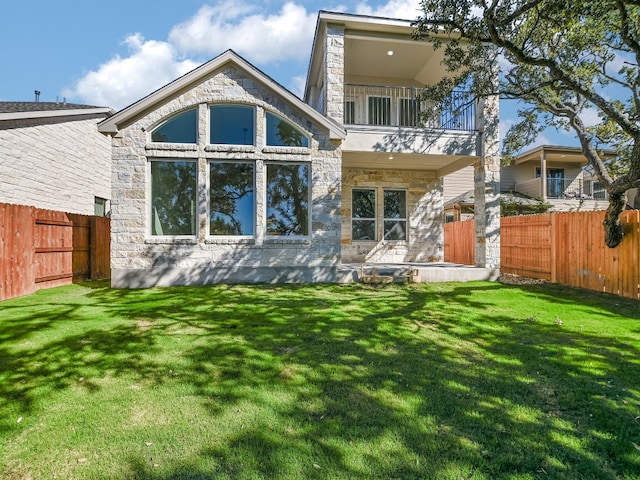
column 566, row 60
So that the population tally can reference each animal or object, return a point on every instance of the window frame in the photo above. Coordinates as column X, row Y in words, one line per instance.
column 211, row 162
column 403, row 219
column 267, row 235
column 150, row 206
column 367, row 219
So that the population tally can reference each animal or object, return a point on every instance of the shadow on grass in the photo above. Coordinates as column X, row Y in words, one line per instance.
column 456, row 381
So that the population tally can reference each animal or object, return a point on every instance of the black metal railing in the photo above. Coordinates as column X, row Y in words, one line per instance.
column 406, row 107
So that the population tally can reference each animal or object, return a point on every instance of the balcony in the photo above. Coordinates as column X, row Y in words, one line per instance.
column 372, row 105
column 566, row 189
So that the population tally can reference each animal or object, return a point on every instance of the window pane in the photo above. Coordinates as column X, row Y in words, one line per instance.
column 363, row 203
column 379, row 111
column 232, row 190
column 395, row 207
column 173, row 198
column 363, row 206
column 395, row 204
column 281, row 133
column 232, row 124
column 363, row 229
column 179, row 129
column 287, row 199
column 395, row 230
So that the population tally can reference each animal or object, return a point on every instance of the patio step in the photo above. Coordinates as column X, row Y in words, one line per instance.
column 388, row 274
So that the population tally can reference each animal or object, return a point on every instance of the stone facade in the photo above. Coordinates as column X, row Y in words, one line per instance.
column 140, row 260
column 425, row 237
column 58, row 163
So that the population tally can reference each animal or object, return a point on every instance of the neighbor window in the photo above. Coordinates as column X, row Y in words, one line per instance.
column 363, row 213
column 232, row 188
column 99, row 207
column 395, row 215
column 379, row 110
column 281, row 133
column 287, row 199
column 181, row 128
column 232, row 124
column 173, row 197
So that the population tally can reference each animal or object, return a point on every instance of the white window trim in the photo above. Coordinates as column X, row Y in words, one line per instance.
column 375, row 214
column 404, row 219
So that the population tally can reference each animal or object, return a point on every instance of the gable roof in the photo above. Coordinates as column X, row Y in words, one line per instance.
column 24, row 110
column 134, row 111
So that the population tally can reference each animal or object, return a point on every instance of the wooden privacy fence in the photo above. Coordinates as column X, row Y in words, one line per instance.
column 565, row 248
column 44, row 248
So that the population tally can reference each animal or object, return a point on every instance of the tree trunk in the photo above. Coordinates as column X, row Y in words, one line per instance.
column 613, row 231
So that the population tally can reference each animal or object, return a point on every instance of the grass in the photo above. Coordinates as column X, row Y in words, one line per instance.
column 444, row 381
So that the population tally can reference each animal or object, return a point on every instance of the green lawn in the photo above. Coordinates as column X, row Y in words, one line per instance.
column 476, row 380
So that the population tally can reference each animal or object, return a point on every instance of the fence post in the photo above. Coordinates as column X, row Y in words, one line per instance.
column 554, row 246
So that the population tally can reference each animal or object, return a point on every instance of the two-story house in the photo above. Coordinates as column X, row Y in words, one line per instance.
column 552, row 177
column 225, row 176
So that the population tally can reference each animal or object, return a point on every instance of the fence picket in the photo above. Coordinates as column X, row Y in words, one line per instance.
column 565, row 248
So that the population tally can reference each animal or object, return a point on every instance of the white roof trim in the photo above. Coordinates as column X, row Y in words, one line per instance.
column 129, row 114
column 55, row 113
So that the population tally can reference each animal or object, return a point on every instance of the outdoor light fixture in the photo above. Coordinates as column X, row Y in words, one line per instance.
column 390, row 53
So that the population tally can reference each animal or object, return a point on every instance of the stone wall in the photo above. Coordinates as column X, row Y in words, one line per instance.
column 58, row 163
column 424, row 217
column 140, row 260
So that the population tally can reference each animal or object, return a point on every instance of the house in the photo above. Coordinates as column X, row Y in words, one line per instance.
column 52, row 157
column 550, row 176
column 225, row 176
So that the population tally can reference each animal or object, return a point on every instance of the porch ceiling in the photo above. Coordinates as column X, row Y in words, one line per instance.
column 441, row 164
column 413, row 63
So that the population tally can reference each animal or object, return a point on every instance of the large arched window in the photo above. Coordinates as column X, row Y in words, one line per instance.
column 232, row 124
column 181, row 128
column 281, row 133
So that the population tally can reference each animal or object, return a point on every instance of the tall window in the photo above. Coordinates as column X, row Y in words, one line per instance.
column 349, row 112
column 363, row 213
column 287, row 199
column 379, row 110
column 408, row 112
column 232, row 198
column 232, row 124
column 181, row 128
column 395, row 215
column 173, row 197
column 281, row 133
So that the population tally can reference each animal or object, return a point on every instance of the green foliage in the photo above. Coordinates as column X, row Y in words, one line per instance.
column 481, row 381
column 568, row 62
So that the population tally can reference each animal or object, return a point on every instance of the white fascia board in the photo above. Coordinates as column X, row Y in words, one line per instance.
column 55, row 113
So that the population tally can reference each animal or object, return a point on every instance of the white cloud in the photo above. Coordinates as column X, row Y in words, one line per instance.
column 297, row 85
column 404, row 9
column 261, row 38
column 120, row 81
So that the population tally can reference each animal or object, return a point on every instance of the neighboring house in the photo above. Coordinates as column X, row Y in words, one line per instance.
column 549, row 175
column 225, row 176
column 52, row 157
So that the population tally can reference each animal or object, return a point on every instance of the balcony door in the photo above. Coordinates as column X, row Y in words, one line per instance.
column 555, row 181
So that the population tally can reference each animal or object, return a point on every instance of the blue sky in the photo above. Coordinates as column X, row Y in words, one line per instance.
column 112, row 54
